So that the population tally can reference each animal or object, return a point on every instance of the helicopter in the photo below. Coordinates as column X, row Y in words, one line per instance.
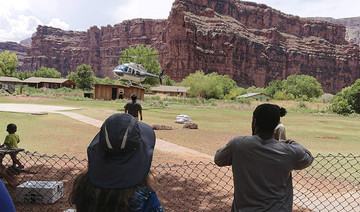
column 134, row 72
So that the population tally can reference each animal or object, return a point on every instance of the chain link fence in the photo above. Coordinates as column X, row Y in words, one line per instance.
column 330, row 184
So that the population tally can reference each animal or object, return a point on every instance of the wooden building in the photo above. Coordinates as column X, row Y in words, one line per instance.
column 8, row 83
column 112, row 92
column 170, row 90
column 10, row 80
column 40, row 82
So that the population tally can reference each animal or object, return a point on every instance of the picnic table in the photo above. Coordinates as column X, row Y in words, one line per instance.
column 8, row 175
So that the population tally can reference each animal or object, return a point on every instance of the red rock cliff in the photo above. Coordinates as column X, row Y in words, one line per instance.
column 251, row 43
column 255, row 44
column 65, row 50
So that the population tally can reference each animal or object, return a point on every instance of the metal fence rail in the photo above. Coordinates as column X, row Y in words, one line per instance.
column 332, row 183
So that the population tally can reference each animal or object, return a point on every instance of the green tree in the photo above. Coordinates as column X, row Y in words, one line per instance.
column 302, row 86
column 168, row 81
column 8, row 64
column 145, row 56
column 83, row 77
column 283, row 95
column 208, row 86
column 273, row 87
column 348, row 100
column 234, row 93
column 254, row 89
column 196, row 82
column 23, row 75
column 47, row 73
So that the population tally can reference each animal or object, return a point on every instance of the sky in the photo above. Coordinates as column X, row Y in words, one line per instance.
column 19, row 18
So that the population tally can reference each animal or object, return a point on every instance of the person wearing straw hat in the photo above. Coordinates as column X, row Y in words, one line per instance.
column 119, row 161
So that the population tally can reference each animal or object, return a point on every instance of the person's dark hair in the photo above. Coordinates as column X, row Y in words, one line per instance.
column 282, row 111
column 133, row 97
column 84, row 194
column 11, row 128
column 267, row 117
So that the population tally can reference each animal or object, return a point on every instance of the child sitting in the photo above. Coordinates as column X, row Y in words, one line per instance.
column 11, row 140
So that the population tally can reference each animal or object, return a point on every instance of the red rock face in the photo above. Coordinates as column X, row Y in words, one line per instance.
column 251, row 43
column 255, row 44
column 16, row 48
column 65, row 50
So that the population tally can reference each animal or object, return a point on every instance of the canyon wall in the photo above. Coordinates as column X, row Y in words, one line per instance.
column 250, row 42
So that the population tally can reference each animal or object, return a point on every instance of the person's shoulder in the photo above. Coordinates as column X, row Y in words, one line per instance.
column 241, row 139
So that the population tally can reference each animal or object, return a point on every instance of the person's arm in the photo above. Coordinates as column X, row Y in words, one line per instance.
column 303, row 157
column 281, row 132
column 126, row 107
column 140, row 112
column 223, row 156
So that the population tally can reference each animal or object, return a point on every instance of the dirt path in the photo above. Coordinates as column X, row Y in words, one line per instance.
column 164, row 146
column 161, row 145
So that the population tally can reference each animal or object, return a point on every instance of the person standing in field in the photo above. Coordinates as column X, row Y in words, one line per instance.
column 134, row 108
column 262, row 165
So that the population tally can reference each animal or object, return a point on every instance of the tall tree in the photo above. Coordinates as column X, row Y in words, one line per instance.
column 208, row 86
column 8, row 64
column 302, row 86
column 47, row 73
column 83, row 77
column 145, row 56
column 348, row 100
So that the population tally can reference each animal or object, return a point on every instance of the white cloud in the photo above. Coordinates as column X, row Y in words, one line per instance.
column 156, row 9
column 57, row 23
column 316, row 8
column 17, row 28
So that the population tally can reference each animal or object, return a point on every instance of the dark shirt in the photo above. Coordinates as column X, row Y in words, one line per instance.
column 6, row 203
column 133, row 108
column 262, row 172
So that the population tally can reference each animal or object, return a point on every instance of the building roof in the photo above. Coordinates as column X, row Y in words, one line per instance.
column 125, row 86
column 249, row 95
column 163, row 88
column 47, row 80
column 10, row 79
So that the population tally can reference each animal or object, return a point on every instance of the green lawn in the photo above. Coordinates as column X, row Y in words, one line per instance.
column 218, row 123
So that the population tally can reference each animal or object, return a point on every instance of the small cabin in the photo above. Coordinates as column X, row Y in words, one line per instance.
column 256, row 96
column 170, row 90
column 112, row 92
column 55, row 83
column 10, row 80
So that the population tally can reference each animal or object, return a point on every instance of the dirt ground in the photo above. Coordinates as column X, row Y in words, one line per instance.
column 173, row 153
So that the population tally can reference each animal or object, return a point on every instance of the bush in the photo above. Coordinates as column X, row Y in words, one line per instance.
column 283, row 95
column 340, row 106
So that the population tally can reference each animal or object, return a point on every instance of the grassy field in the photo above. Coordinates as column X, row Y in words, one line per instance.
column 218, row 122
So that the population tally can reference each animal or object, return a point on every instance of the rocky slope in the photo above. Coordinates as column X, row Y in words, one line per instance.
column 255, row 44
column 352, row 27
column 16, row 48
column 65, row 50
column 250, row 42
